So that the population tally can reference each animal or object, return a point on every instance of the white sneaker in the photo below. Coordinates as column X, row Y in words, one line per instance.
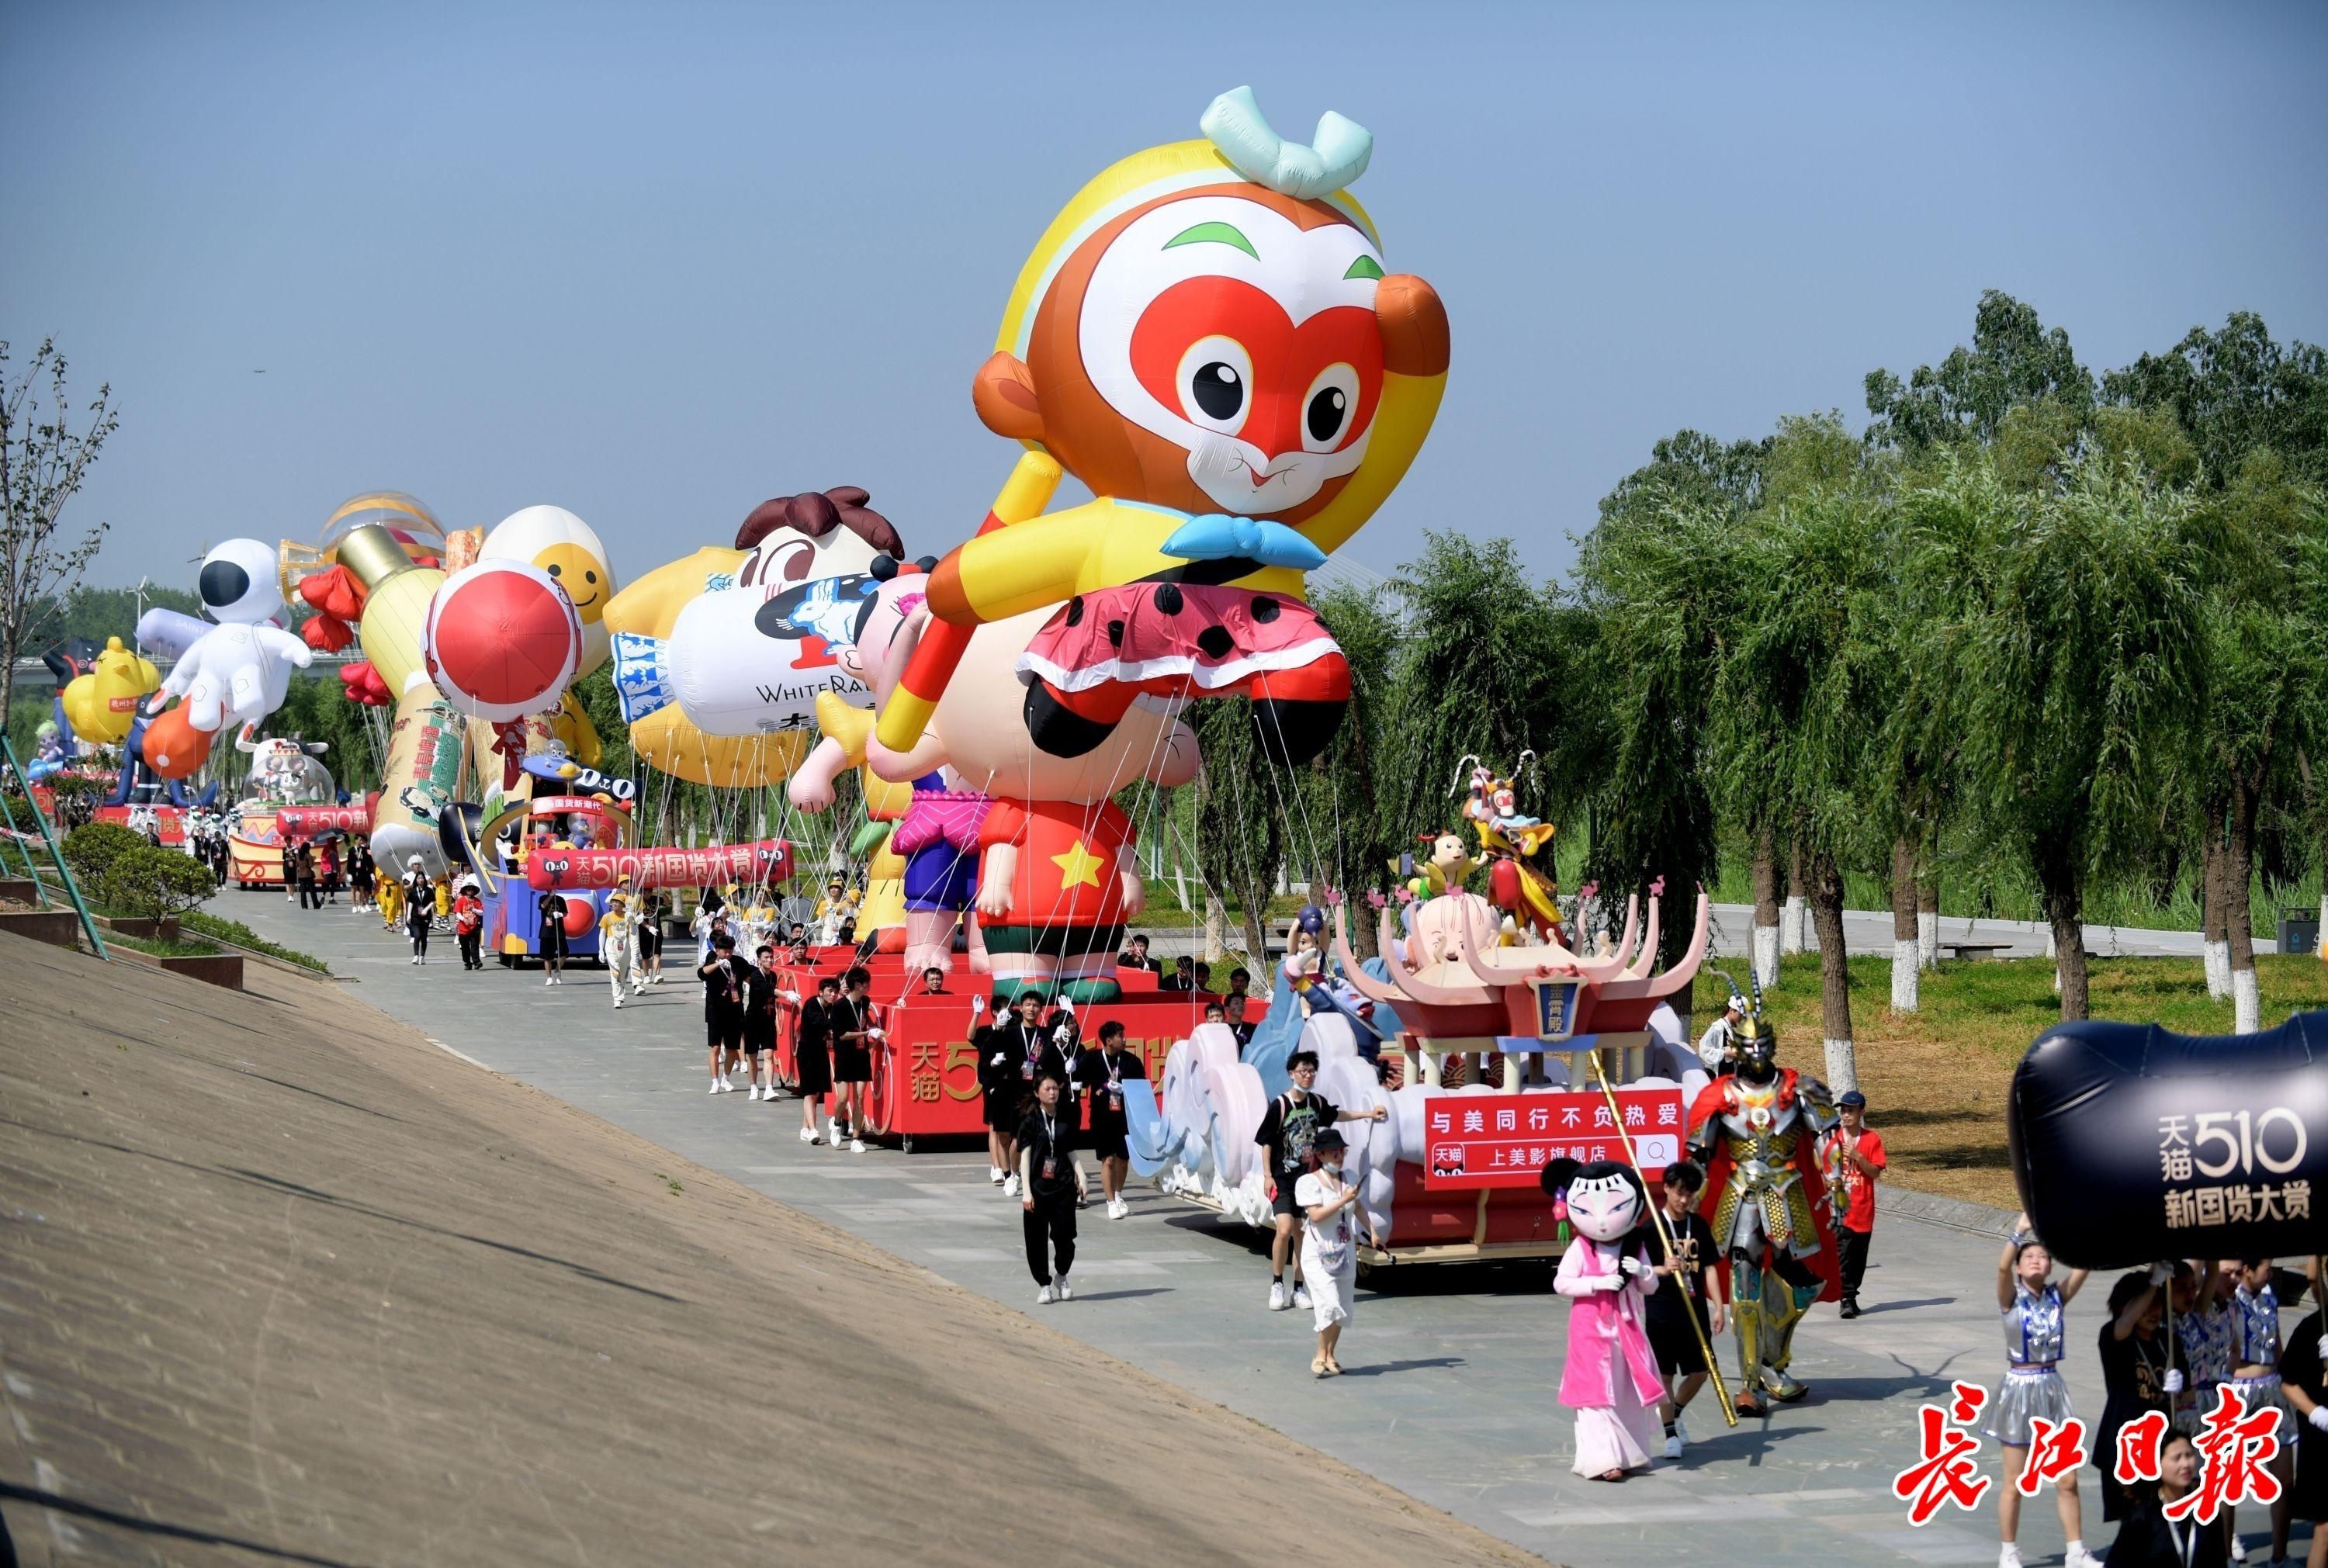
column 1117, row 1209
column 832, row 1135
column 1278, row 1301
column 1046, row 1296
column 2080, row 1557
column 1010, row 1184
column 2010, row 1557
column 715, row 1085
column 546, row 979
column 416, row 958
column 1673, row 1447
column 808, row 1135
column 1301, row 1298
column 1067, row 1291
column 857, row 1146
column 754, row 1095
column 994, row 1174
column 618, row 1001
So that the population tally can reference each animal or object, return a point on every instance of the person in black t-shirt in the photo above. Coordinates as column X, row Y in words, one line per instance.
column 1680, row 1361
column 550, row 913
column 1015, row 1055
column 2306, row 1384
column 1052, row 1188
column 1286, row 1128
column 1183, row 976
column 856, row 1030
column 1233, row 1014
column 723, row 974
column 2137, row 1373
column 2149, row 1539
column 812, row 1052
column 1067, row 1040
column 760, row 1020
column 1105, row 1072
column 1136, row 956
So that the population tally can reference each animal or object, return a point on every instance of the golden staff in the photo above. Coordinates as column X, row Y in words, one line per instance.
column 1665, row 1239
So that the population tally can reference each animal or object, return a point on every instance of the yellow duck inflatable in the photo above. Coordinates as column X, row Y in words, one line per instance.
column 102, row 704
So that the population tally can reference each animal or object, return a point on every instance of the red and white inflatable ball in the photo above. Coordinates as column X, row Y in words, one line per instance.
column 502, row 640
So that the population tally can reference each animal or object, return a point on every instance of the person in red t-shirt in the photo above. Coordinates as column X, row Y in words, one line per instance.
column 1851, row 1154
column 468, row 925
column 1056, row 884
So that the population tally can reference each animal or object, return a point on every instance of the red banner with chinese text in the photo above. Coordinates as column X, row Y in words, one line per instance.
column 1493, row 1141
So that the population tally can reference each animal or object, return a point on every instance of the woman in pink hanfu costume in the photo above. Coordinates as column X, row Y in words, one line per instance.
column 1611, row 1378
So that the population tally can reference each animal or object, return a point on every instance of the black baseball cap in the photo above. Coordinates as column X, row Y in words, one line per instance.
column 1853, row 1100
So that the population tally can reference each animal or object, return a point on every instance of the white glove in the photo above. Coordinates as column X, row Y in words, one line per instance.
column 1632, row 1268
column 998, row 1058
column 876, row 1034
column 2174, row 1380
column 793, row 997
column 2319, row 1417
column 1067, row 1006
column 1062, row 1034
column 978, row 1008
column 2160, row 1274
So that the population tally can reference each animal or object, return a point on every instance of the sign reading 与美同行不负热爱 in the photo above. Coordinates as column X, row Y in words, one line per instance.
column 1488, row 1141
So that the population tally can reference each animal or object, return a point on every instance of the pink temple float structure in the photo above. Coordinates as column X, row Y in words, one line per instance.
column 1501, row 1048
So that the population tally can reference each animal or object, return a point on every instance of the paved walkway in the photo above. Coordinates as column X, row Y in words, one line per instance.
column 281, row 1284
column 1453, row 1372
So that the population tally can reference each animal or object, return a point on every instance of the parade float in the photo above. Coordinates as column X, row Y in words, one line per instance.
column 287, row 775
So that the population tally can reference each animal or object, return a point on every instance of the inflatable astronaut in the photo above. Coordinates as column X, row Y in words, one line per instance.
column 240, row 670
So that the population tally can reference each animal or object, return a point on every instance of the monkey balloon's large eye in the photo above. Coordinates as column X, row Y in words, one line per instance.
column 1327, row 411
column 1216, row 384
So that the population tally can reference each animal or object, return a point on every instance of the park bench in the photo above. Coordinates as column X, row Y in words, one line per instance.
column 1976, row 950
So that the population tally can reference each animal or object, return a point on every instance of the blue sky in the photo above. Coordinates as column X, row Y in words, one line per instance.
column 657, row 264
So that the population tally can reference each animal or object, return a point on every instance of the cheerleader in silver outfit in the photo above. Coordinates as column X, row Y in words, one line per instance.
column 2031, row 1390
column 2253, row 1312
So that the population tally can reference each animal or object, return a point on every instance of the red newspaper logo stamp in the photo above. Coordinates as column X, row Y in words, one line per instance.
column 1946, row 1469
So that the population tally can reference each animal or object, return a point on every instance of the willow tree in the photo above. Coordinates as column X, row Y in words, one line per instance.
column 2254, row 415
column 1240, row 820
column 2083, row 672
column 1659, row 586
column 2267, row 661
column 1479, row 671
column 1344, row 831
column 1802, row 688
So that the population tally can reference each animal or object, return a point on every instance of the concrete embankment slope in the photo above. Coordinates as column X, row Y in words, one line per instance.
column 281, row 1281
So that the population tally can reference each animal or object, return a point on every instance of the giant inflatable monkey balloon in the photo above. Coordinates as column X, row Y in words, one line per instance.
column 1206, row 336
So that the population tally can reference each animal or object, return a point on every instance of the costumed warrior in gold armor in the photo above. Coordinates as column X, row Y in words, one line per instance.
column 1755, row 1128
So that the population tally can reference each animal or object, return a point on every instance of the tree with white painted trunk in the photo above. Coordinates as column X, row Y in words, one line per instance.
column 2085, row 674
column 2254, row 415
column 1657, row 578
column 1794, row 917
column 2266, row 641
column 1765, row 955
column 1907, row 952
column 1799, row 705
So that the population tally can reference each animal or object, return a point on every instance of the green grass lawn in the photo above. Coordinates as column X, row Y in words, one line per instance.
column 242, row 935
